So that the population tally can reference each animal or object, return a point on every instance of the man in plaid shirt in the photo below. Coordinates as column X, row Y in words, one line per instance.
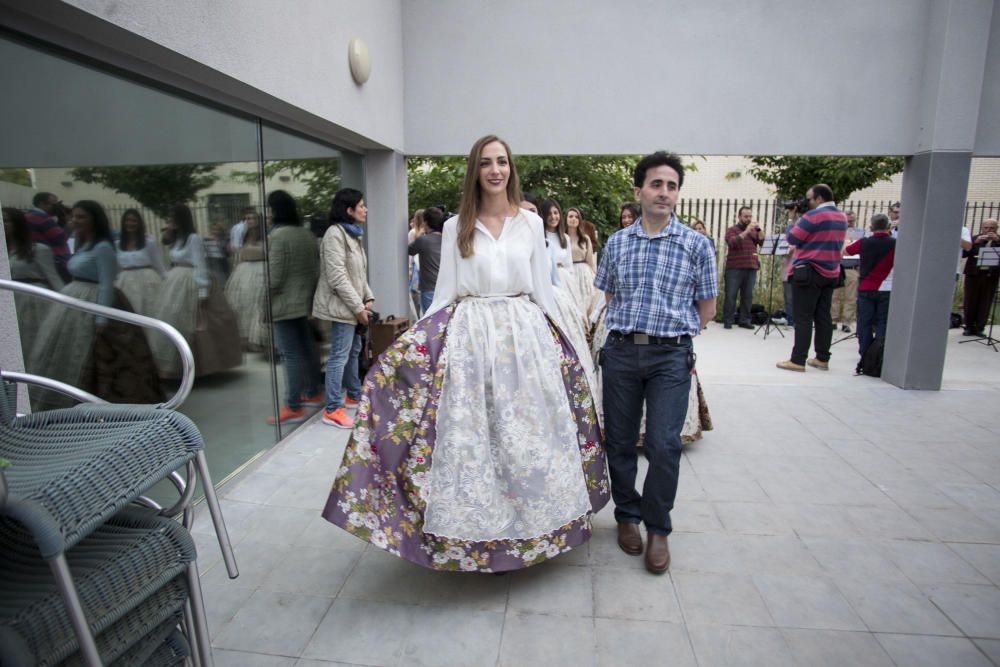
column 660, row 281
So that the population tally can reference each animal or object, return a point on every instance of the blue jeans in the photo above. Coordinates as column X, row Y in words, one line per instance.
column 342, row 365
column 873, row 315
column 295, row 345
column 426, row 299
column 660, row 377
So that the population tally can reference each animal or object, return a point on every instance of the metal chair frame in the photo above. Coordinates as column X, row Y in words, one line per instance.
column 196, row 622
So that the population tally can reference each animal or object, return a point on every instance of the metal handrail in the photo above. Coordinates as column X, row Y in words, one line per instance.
column 187, row 358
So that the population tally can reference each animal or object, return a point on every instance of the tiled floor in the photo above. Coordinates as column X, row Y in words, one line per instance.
column 827, row 520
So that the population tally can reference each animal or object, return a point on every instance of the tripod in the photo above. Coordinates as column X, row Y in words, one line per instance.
column 772, row 246
column 988, row 258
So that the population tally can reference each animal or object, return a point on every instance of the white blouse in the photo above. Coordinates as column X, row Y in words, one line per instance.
column 192, row 253
column 149, row 256
column 516, row 263
column 563, row 256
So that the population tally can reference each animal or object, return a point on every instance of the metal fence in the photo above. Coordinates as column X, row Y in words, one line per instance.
column 718, row 215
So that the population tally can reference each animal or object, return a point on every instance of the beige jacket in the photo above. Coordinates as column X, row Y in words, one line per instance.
column 343, row 278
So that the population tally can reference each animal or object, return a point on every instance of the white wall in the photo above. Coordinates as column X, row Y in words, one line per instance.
column 713, row 77
column 284, row 61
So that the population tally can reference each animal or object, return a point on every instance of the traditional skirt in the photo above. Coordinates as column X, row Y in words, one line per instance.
column 209, row 327
column 112, row 361
column 245, row 294
column 476, row 446
column 142, row 287
column 31, row 313
column 581, row 285
column 698, row 418
column 572, row 322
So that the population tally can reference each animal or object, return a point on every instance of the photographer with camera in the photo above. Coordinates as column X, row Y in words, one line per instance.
column 742, row 264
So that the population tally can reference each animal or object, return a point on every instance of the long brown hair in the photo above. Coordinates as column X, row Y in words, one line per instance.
column 544, row 209
column 581, row 234
column 472, row 194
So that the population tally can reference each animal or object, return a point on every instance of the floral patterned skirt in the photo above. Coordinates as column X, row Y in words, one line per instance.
column 388, row 482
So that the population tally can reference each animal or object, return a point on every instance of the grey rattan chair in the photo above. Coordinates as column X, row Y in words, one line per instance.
column 73, row 469
column 130, row 578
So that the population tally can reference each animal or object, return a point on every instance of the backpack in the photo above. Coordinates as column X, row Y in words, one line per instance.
column 956, row 321
column 871, row 363
column 758, row 314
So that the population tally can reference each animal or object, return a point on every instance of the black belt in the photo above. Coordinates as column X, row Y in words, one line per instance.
column 645, row 339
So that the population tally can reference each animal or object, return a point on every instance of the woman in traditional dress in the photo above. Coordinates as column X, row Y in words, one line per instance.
column 476, row 446
column 584, row 266
column 31, row 263
column 193, row 303
column 245, row 287
column 141, row 262
column 557, row 241
column 106, row 357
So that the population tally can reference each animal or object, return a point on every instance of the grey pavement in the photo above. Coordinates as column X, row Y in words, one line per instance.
column 827, row 520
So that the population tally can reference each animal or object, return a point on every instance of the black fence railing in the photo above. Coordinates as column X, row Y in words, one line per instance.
column 718, row 215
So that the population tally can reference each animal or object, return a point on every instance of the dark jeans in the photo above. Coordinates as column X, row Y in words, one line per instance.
column 813, row 295
column 978, row 298
column 660, row 376
column 295, row 345
column 786, row 286
column 738, row 282
column 873, row 315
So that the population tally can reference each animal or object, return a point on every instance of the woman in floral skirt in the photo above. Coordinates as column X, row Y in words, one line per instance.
column 476, row 446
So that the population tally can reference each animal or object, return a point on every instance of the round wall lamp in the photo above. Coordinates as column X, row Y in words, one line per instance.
column 360, row 60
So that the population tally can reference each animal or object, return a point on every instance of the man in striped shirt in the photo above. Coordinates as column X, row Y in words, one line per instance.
column 818, row 239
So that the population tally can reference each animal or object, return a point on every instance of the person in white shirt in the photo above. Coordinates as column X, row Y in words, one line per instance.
column 476, row 446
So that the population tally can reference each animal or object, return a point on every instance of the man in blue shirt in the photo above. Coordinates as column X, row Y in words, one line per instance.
column 659, row 277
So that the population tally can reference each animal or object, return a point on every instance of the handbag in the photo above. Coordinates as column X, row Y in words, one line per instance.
column 385, row 331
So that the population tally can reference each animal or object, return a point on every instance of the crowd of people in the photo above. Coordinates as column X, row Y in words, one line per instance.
column 539, row 365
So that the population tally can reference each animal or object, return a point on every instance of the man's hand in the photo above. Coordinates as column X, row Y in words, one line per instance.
column 362, row 317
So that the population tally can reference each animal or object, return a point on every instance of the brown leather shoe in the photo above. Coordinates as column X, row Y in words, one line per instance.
column 657, row 554
column 629, row 538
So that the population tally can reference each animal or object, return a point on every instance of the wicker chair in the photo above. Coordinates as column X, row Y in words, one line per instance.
column 130, row 578
column 75, row 469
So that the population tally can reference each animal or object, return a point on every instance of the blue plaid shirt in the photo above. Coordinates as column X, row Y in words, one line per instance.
column 654, row 282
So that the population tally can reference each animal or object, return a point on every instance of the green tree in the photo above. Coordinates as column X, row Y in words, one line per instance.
column 597, row 184
column 321, row 177
column 18, row 176
column 792, row 175
column 156, row 187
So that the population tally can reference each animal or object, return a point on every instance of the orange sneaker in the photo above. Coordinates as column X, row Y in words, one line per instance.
column 287, row 416
column 313, row 400
column 338, row 418
column 350, row 402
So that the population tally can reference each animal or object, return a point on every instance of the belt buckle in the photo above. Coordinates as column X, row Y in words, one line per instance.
column 640, row 339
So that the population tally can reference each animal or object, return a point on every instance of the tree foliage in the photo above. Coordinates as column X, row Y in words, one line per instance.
column 792, row 175
column 597, row 184
column 321, row 177
column 156, row 187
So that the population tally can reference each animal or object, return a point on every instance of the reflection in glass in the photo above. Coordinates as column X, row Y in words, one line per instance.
column 245, row 287
column 105, row 357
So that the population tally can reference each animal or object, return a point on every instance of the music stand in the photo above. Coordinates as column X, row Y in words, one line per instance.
column 988, row 258
column 775, row 245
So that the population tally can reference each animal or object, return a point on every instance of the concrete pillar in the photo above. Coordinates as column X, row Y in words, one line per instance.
column 935, row 184
column 386, row 196
column 923, row 281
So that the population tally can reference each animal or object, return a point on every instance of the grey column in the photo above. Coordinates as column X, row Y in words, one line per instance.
column 386, row 196
column 923, row 281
